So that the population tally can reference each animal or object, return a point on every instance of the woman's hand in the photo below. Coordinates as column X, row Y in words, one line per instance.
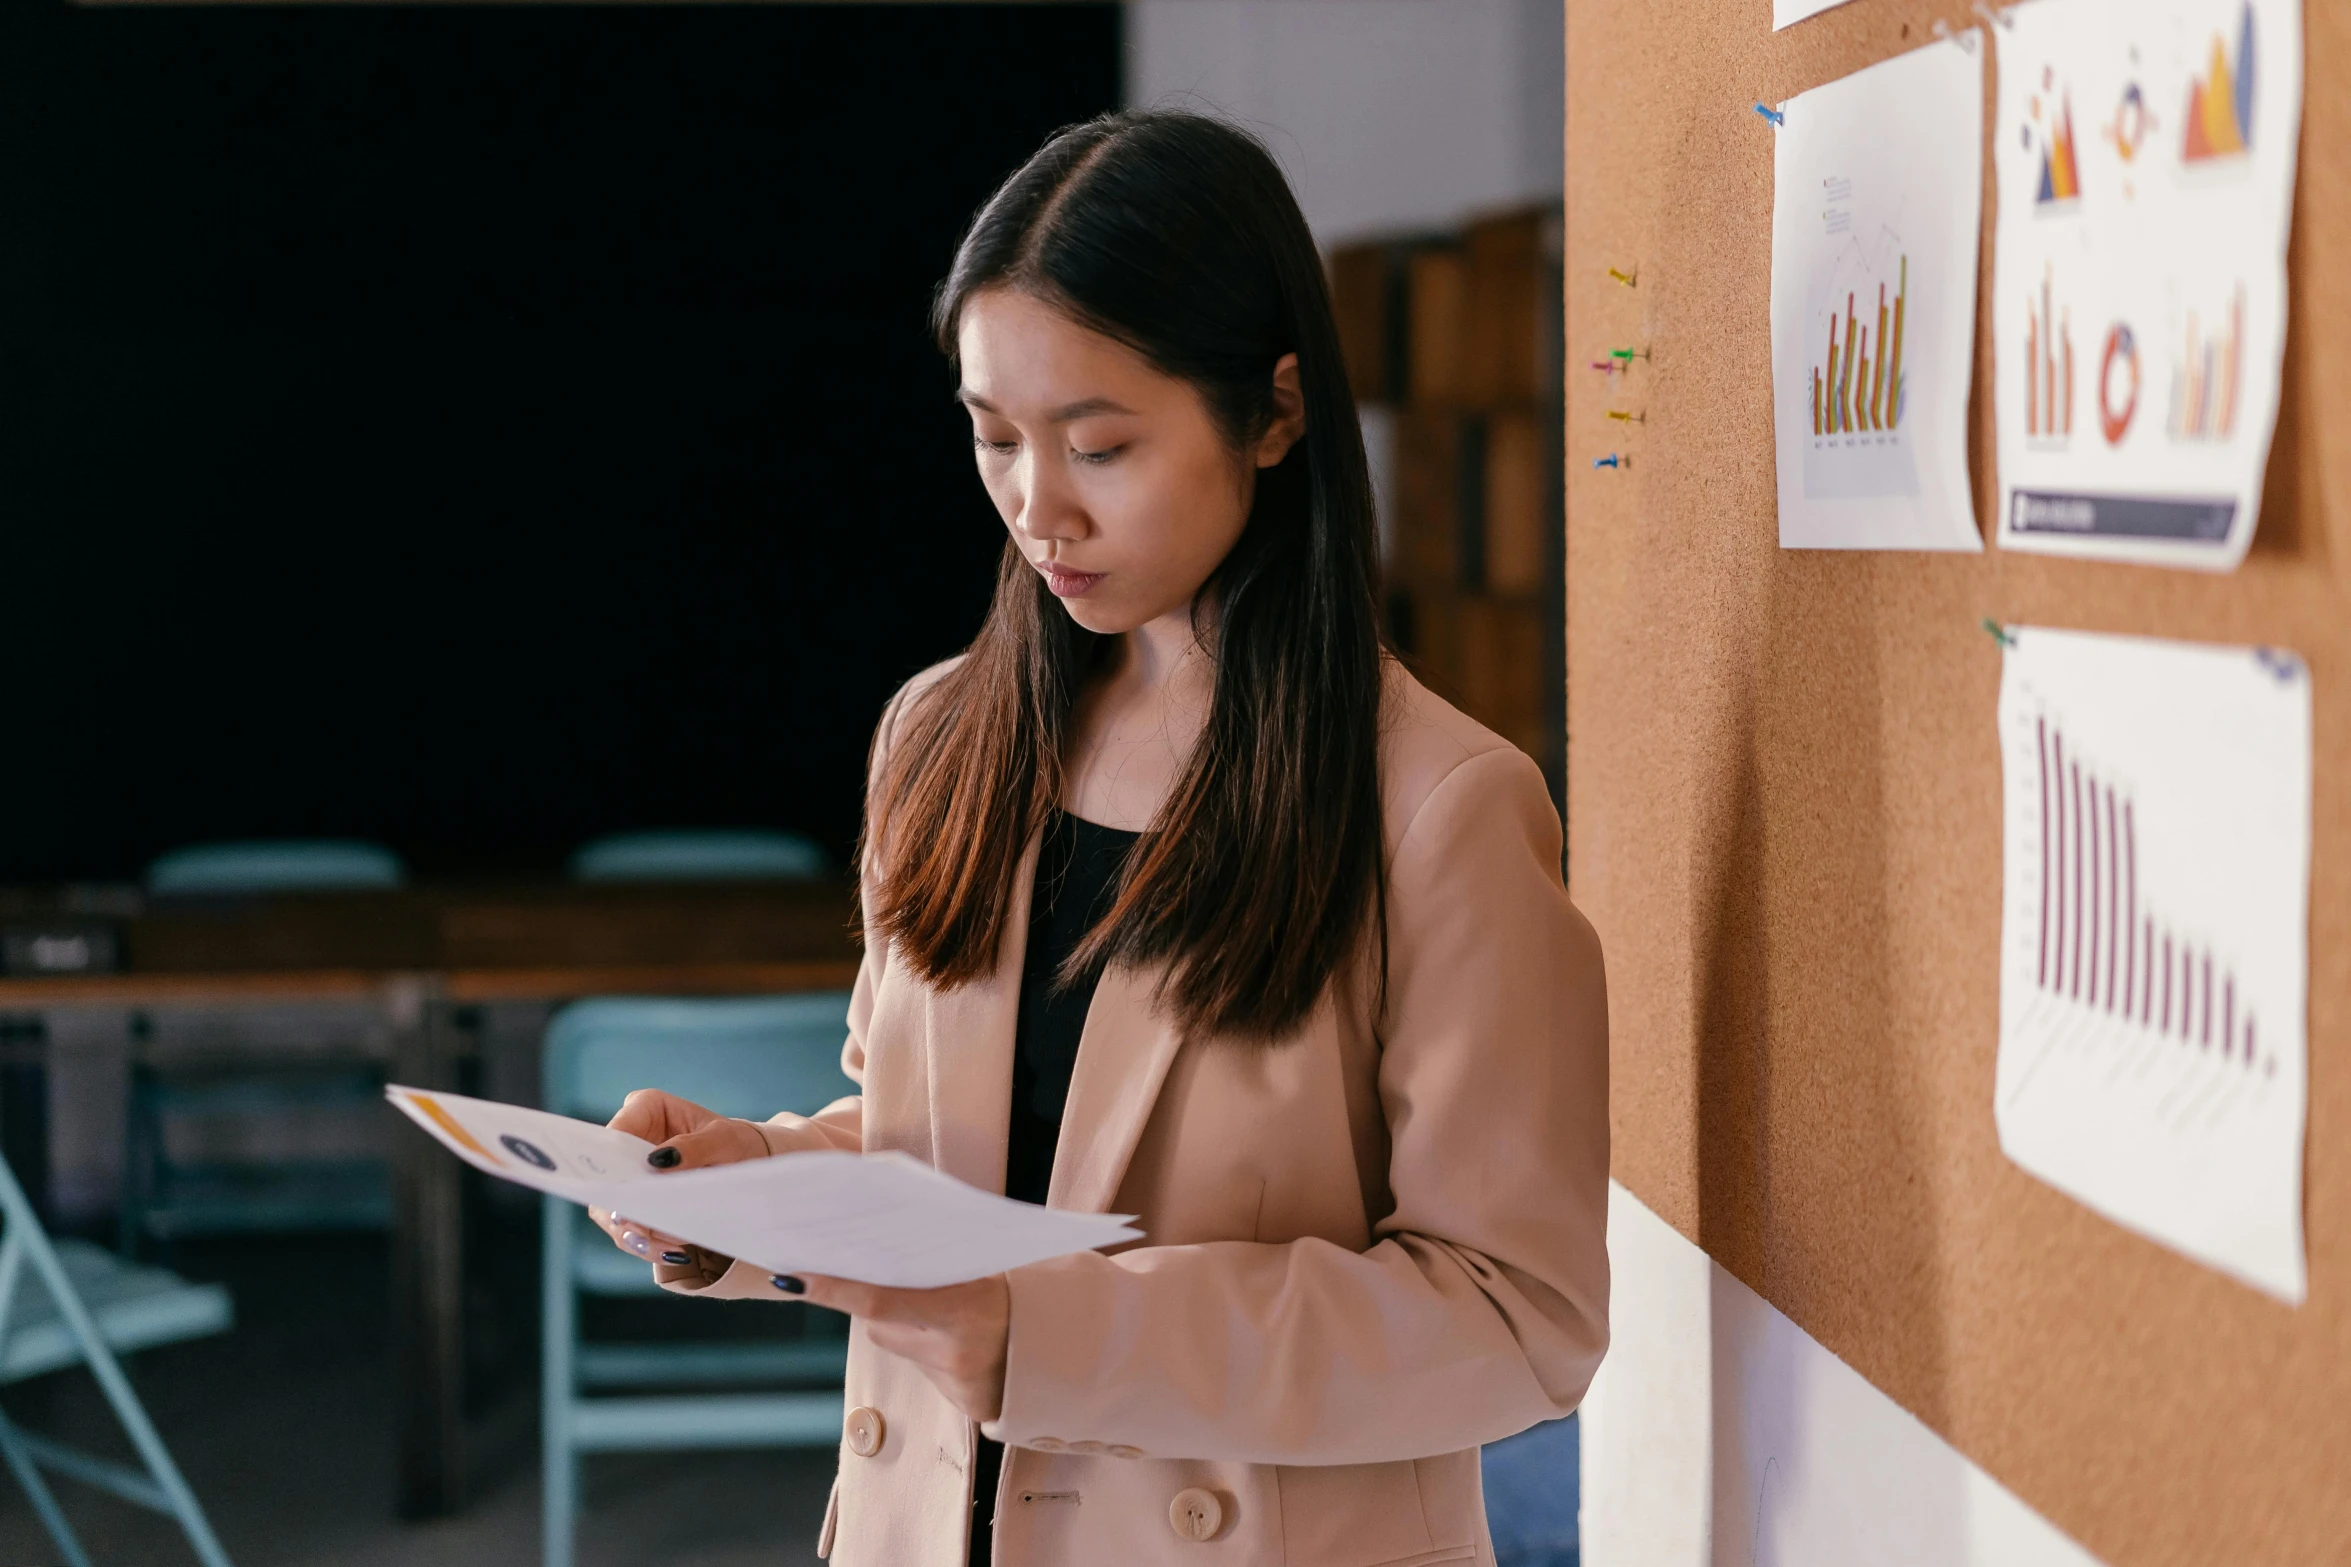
column 957, row 1335
column 686, row 1137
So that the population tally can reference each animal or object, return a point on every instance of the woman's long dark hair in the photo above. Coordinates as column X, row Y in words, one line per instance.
column 1176, row 235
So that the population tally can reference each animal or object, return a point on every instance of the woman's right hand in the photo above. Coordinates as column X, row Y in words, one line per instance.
column 685, row 1136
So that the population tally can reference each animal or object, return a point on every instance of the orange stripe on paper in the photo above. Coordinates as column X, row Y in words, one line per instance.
column 448, row 1123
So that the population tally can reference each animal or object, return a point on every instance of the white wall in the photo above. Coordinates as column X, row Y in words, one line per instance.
column 1720, row 1434
column 1389, row 115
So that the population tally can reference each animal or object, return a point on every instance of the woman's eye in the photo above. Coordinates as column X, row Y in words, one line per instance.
column 999, row 448
column 1096, row 459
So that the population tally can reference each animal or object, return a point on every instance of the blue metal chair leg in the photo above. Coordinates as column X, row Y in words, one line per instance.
column 30, row 1242
column 560, row 1459
column 36, row 1490
column 12, row 1444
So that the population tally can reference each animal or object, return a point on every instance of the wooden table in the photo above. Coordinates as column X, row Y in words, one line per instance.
column 428, row 955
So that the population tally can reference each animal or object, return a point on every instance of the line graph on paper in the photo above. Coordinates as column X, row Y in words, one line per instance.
column 2153, row 948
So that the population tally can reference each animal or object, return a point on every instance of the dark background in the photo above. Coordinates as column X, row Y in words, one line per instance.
column 480, row 429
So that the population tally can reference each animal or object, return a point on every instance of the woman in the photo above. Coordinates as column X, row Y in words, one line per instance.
column 1182, row 900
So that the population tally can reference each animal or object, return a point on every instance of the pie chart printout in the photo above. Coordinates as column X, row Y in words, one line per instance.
column 2154, row 938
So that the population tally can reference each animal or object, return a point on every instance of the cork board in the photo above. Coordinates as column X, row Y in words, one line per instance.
column 1784, row 792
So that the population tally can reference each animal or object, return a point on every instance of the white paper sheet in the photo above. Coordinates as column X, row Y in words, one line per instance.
column 2154, row 938
column 1876, row 207
column 2145, row 159
column 1787, row 13
column 880, row 1218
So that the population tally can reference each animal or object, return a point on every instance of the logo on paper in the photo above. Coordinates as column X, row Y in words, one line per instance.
column 526, row 1152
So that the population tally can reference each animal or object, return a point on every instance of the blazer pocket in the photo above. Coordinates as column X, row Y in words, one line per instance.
column 1355, row 1515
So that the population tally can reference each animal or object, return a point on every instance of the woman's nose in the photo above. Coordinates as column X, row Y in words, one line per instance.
column 1048, row 509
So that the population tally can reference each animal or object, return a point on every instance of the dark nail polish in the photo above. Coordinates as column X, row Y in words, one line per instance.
column 663, row 1158
column 677, row 1259
column 789, row 1285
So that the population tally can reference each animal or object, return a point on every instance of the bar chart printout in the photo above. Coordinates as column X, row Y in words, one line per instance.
column 2154, row 967
column 1877, row 205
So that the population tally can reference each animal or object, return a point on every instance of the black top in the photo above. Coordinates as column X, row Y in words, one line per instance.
column 1077, row 879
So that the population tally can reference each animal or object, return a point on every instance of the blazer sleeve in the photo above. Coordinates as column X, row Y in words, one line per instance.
column 841, row 1124
column 1481, row 1306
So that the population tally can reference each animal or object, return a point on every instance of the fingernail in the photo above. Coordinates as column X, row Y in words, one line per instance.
column 789, row 1285
column 677, row 1259
column 663, row 1158
column 636, row 1243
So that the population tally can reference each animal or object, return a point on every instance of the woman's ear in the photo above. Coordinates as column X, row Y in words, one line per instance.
column 1289, row 414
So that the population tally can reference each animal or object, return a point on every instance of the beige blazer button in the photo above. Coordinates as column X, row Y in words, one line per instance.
column 1087, row 1447
column 1048, row 1444
column 1123, row 1451
column 1196, row 1514
column 865, row 1429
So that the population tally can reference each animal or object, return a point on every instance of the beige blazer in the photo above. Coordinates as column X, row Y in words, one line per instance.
column 1368, row 1249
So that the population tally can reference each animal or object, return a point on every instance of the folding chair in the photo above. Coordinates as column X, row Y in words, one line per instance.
column 700, row 854
column 748, row 1057
column 165, row 1199
column 84, row 1304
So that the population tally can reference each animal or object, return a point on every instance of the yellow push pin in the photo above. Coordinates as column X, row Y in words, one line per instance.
column 1632, row 281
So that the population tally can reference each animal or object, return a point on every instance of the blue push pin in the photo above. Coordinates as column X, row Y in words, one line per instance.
column 1771, row 114
column 1612, row 461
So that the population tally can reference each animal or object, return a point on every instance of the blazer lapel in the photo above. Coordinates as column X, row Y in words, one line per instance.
column 968, row 1034
column 1123, row 1057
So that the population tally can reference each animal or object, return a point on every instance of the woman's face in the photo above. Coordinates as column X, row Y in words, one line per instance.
column 1113, row 477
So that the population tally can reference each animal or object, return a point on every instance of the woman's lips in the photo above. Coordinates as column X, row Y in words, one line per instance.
column 1066, row 583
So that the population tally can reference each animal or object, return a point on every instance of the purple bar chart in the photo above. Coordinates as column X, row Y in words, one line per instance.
column 2154, row 939
column 2103, row 948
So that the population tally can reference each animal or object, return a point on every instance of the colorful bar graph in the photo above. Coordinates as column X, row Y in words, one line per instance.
column 2048, row 360
column 2205, row 380
column 1858, row 387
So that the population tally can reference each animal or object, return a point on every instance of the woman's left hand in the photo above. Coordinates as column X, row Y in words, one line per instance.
column 957, row 1335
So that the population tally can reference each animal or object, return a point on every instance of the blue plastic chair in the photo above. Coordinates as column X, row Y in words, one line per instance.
column 700, row 854
column 165, row 1200
column 290, row 865
column 82, row 1305
column 749, row 1058
column 1534, row 1489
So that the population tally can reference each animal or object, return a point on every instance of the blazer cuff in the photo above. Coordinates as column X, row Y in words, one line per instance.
column 1061, row 1309
column 779, row 1139
column 740, row 1281
column 714, row 1277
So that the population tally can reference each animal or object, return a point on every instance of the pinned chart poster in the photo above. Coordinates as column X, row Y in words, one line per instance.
column 2154, row 939
column 2145, row 159
column 1787, row 13
column 1876, row 206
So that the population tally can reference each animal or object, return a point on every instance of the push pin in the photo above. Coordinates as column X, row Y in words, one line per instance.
column 1606, row 366
column 1612, row 460
column 1631, row 281
column 1622, row 417
column 2000, row 634
column 2284, row 667
column 1625, row 356
column 1771, row 114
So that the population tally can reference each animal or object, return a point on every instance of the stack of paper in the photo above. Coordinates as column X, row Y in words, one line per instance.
column 879, row 1218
